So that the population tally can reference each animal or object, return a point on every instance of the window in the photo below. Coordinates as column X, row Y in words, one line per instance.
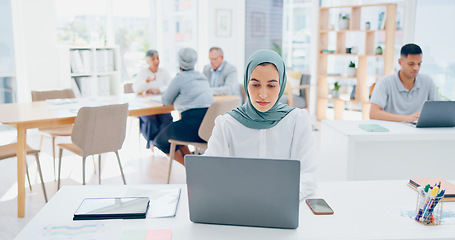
column 436, row 44
column 81, row 22
column 297, row 34
column 264, row 26
column 134, row 26
column 7, row 57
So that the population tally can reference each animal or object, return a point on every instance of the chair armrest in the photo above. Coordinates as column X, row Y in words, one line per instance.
column 302, row 87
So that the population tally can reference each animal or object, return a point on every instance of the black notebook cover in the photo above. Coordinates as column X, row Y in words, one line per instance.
column 112, row 208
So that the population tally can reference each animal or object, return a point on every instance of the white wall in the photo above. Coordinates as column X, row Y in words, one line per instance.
column 35, row 46
column 234, row 45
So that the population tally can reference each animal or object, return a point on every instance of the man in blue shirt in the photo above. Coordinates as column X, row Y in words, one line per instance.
column 400, row 96
column 222, row 76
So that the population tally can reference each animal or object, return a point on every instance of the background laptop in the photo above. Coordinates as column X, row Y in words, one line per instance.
column 437, row 114
column 243, row 191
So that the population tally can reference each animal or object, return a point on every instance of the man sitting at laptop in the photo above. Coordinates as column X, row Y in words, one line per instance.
column 400, row 96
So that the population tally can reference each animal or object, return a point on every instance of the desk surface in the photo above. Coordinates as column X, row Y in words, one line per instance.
column 44, row 111
column 396, row 129
column 374, row 213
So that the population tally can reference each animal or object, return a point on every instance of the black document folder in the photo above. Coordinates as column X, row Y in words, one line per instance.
column 112, row 208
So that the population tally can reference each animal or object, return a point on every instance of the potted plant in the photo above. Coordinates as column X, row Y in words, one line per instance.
column 343, row 23
column 336, row 90
column 351, row 71
column 378, row 50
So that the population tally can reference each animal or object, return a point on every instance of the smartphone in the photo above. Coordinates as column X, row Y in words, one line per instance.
column 319, row 206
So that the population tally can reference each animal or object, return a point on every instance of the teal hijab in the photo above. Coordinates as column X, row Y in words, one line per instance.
column 247, row 114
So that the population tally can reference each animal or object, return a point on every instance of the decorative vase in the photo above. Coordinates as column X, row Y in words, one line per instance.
column 335, row 93
column 379, row 50
column 351, row 72
column 343, row 24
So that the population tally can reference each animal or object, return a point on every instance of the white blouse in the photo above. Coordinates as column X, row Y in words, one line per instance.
column 163, row 78
column 291, row 138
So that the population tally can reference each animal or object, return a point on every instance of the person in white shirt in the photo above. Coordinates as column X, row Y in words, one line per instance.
column 265, row 128
column 152, row 80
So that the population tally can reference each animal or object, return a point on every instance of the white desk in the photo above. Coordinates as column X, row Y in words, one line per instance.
column 373, row 212
column 401, row 153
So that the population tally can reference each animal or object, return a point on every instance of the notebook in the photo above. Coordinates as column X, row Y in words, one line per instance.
column 373, row 128
column 437, row 114
column 112, row 208
column 449, row 187
column 243, row 191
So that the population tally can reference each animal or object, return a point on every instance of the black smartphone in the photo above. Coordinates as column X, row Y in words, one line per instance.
column 319, row 206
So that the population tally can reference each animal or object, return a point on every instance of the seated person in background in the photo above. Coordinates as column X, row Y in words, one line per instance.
column 152, row 80
column 263, row 127
column 221, row 75
column 400, row 96
column 190, row 93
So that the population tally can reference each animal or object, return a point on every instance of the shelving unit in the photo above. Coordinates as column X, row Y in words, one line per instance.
column 90, row 71
column 338, row 40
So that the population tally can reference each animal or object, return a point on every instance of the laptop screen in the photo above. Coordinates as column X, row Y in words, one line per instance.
column 243, row 191
column 437, row 114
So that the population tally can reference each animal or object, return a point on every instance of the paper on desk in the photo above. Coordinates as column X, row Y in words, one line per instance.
column 60, row 101
column 81, row 230
column 154, row 98
column 163, row 202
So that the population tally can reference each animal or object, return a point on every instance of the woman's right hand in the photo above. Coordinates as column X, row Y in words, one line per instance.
column 153, row 91
column 149, row 79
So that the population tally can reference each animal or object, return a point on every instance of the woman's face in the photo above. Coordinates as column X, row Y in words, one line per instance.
column 264, row 87
column 153, row 61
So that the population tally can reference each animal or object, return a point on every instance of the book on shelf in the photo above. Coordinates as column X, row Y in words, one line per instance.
column 85, row 86
column 104, row 86
column 76, row 62
column 86, row 56
column 381, row 22
column 105, row 60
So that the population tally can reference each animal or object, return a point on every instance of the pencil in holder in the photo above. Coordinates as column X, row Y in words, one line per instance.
column 428, row 209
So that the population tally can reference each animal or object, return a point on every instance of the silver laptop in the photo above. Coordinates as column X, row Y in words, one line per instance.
column 437, row 114
column 243, row 191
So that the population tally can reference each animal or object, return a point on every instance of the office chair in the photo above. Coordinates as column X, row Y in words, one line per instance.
column 205, row 129
column 300, row 100
column 97, row 130
column 9, row 151
column 58, row 131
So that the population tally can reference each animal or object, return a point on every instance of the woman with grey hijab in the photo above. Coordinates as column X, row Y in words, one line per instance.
column 190, row 93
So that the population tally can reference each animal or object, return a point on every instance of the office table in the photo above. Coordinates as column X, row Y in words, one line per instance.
column 43, row 114
column 363, row 210
column 401, row 153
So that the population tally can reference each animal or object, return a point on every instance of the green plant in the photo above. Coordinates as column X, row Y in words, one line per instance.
column 352, row 64
column 336, row 86
column 277, row 48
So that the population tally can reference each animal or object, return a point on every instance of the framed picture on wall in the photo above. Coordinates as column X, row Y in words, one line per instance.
column 258, row 24
column 223, row 20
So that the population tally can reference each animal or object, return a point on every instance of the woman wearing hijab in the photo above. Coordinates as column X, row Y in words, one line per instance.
column 152, row 80
column 265, row 128
column 191, row 95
